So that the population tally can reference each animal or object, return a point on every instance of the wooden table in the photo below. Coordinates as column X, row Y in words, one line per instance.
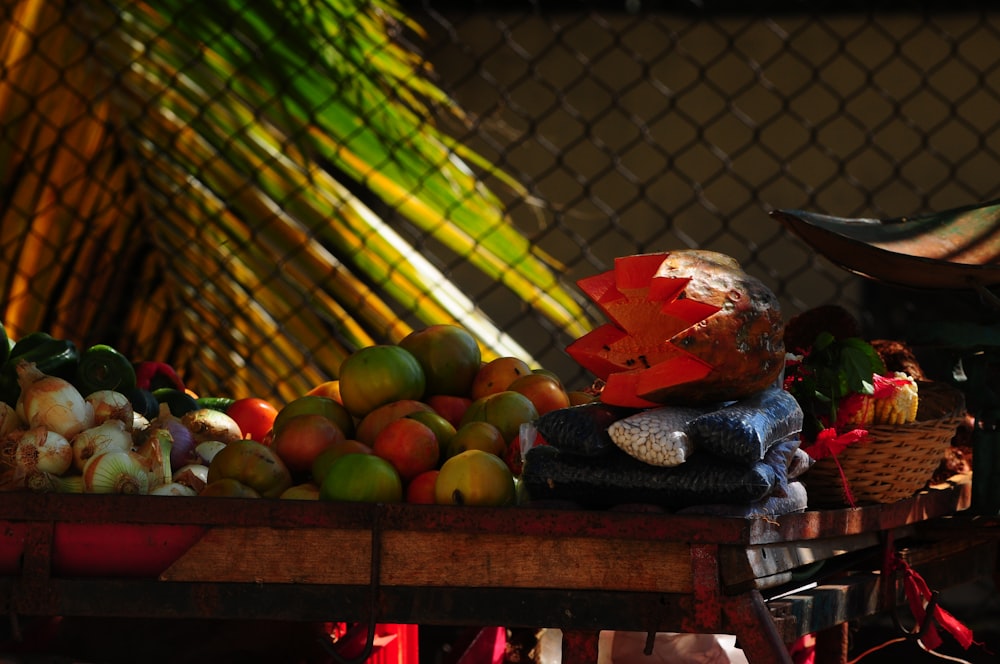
column 580, row 571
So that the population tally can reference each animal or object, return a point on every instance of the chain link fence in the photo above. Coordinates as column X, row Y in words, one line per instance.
column 624, row 127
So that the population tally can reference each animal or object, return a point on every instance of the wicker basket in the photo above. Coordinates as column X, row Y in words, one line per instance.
column 894, row 461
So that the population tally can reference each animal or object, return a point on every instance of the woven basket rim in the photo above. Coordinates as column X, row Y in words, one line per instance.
column 915, row 449
column 938, row 400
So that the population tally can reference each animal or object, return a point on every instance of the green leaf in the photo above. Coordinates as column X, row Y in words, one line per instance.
column 858, row 362
column 823, row 341
column 834, row 369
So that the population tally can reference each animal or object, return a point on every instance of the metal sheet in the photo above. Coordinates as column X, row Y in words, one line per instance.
column 954, row 249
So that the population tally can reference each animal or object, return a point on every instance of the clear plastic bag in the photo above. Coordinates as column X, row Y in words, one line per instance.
column 744, row 431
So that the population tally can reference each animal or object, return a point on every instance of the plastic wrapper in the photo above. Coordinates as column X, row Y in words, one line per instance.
column 581, row 429
column 794, row 499
column 657, row 436
column 780, row 457
column 799, row 463
column 744, row 431
column 615, row 478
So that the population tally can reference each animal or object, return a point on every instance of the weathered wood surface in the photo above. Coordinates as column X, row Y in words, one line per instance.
column 942, row 564
column 781, row 545
column 811, row 524
column 306, row 560
column 764, row 566
column 440, row 559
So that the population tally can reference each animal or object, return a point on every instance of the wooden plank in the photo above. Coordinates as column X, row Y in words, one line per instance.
column 940, row 500
column 764, row 583
column 97, row 508
column 812, row 524
column 594, row 524
column 532, row 608
column 742, row 569
column 963, row 525
column 953, row 562
column 343, row 557
column 512, row 607
column 828, row 605
column 248, row 512
column 458, row 559
column 857, row 595
column 272, row 555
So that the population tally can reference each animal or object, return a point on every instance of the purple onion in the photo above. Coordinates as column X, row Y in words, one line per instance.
column 182, row 440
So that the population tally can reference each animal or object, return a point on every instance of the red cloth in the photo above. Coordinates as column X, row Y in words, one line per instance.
column 392, row 644
column 803, row 651
column 829, row 443
column 918, row 596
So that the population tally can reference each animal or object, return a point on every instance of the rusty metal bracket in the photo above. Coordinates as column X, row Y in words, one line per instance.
column 706, row 589
column 373, row 581
column 887, row 581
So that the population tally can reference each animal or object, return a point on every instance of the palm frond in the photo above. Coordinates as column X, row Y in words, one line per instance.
column 236, row 156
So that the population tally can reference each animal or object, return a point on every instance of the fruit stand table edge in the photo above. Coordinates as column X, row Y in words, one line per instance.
column 643, row 572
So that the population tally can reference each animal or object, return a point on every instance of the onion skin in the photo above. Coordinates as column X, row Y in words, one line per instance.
column 139, row 422
column 182, row 448
column 207, row 450
column 111, row 405
column 155, row 450
column 42, row 482
column 173, row 489
column 116, row 472
column 52, row 402
column 194, row 475
column 210, row 424
column 109, row 436
column 41, row 450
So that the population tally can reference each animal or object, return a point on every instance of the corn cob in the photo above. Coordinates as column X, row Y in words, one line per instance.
column 899, row 406
column 859, row 411
column 656, row 436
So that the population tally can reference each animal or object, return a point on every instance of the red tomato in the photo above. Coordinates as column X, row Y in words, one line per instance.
column 255, row 417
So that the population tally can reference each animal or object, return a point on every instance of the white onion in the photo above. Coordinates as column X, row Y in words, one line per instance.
column 42, row 482
column 139, row 422
column 109, row 436
column 210, row 424
column 207, row 450
column 111, row 405
column 39, row 449
column 116, row 472
column 52, row 402
column 194, row 475
column 173, row 489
